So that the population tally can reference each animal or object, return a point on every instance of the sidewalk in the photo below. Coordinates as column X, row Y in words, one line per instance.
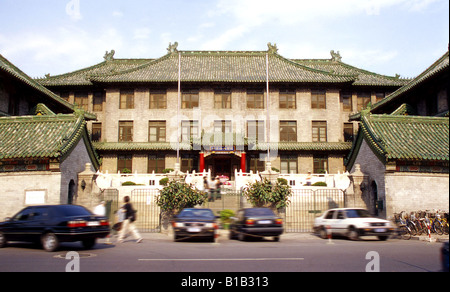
column 434, row 238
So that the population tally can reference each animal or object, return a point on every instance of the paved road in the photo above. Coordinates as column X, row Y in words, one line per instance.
column 294, row 253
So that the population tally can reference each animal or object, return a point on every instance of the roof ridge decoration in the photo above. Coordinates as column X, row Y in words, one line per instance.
column 109, row 56
column 172, row 49
column 336, row 57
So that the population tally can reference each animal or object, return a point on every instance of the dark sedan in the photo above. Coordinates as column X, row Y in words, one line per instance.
column 193, row 223
column 256, row 223
column 51, row 225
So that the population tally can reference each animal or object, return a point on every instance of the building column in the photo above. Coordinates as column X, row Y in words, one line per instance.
column 202, row 161
column 243, row 162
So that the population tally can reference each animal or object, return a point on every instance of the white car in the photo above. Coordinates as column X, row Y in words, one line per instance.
column 353, row 223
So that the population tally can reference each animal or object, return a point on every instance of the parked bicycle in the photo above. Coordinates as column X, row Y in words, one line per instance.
column 403, row 231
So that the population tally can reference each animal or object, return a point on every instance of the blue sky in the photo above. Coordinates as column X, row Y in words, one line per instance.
column 383, row 36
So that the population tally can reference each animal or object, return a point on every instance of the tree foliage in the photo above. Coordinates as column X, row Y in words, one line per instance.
column 179, row 195
column 264, row 194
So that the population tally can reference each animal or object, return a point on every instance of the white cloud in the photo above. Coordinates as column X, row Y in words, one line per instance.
column 142, row 33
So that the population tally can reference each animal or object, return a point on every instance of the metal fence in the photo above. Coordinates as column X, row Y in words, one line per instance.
column 148, row 212
column 307, row 204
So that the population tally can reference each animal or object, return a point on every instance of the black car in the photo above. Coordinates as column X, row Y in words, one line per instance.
column 193, row 223
column 51, row 225
column 256, row 222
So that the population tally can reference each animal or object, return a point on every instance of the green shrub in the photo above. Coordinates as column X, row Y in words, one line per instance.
column 319, row 184
column 164, row 181
column 179, row 195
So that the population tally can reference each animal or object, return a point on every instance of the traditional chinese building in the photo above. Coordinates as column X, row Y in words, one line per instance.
column 44, row 144
column 210, row 110
column 402, row 149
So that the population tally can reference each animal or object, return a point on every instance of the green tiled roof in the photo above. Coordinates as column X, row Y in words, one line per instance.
column 438, row 67
column 362, row 77
column 12, row 70
column 36, row 137
column 409, row 138
column 199, row 66
column 221, row 66
column 82, row 77
column 281, row 146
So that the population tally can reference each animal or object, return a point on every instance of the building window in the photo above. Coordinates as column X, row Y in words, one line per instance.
column 255, row 100
column 222, row 99
column 190, row 99
column 126, row 131
column 189, row 129
column 96, row 135
column 287, row 100
column 257, row 165
column 289, row 164
column 82, row 100
column 318, row 99
column 288, row 131
column 348, row 132
column 346, row 101
column 157, row 131
column 363, row 100
column 125, row 162
column 98, row 101
column 256, row 131
column 127, row 99
column 319, row 131
column 158, row 100
column 223, row 127
column 156, row 163
column 320, row 163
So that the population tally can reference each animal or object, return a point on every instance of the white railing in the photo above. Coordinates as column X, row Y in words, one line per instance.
column 241, row 179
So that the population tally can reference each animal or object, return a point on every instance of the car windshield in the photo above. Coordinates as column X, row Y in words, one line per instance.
column 259, row 212
column 72, row 210
column 197, row 213
column 358, row 213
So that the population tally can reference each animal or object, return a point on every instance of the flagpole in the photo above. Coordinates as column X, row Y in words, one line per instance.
column 267, row 109
column 178, row 108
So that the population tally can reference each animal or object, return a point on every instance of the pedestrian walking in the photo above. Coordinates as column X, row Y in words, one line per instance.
column 128, row 223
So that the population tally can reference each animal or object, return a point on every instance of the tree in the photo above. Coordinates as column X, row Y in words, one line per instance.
column 264, row 194
column 175, row 197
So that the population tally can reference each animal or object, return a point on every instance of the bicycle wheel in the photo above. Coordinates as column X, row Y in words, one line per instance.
column 404, row 233
column 412, row 228
column 438, row 228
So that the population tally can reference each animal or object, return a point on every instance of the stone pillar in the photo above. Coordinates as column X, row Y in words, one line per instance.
column 86, row 194
column 360, row 189
column 269, row 174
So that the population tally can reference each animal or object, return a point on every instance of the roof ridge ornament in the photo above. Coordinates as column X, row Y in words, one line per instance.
column 273, row 49
column 172, row 48
column 336, row 57
column 109, row 56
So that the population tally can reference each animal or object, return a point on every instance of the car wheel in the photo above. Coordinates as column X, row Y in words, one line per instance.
column 276, row 238
column 242, row 237
column 3, row 241
column 383, row 238
column 50, row 242
column 88, row 243
column 231, row 235
column 323, row 233
column 353, row 233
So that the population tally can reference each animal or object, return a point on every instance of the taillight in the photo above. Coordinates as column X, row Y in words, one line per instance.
column 104, row 223
column 75, row 224
column 250, row 222
column 279, row 221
